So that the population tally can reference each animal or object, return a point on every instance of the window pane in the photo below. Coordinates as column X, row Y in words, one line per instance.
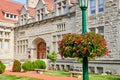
column 92, row 7
column 1, row 34
column 0, row 43
column 64, row 10
column 101, row 5
column 6, row 44
column 92, row 30
column 59, row 11
column 11, row 16
column 15, row 16
column 101, row 30
column 7, row 15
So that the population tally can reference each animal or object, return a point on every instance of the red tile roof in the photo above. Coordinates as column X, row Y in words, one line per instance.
column 50, row 4
column 8, row 6
column 72, row 1
column 31, row 11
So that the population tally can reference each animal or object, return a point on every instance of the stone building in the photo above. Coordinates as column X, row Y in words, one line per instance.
column 42, row 23
column 9, row 12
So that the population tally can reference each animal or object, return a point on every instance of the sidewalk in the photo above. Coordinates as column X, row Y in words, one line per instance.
column 41, row 76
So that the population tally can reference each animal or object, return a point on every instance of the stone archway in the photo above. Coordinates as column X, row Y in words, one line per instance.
column 40, row 46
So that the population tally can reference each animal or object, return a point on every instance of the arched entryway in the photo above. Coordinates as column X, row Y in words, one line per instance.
column 40, row 46
column 41, row 50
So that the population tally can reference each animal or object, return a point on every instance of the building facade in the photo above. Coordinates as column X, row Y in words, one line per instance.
column 42, row 23
column 9, row 12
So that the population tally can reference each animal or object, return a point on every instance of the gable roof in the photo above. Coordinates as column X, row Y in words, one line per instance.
column 50, row 4
column 8, row 6
column 31, row 11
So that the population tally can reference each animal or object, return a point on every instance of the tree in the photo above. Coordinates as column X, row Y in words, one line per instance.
column 53, row 57
column 78, row 46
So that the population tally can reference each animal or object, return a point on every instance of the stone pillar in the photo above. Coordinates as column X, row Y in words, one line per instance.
column 95, row 70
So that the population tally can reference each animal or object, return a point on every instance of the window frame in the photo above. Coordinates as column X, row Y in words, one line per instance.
column 92, row 6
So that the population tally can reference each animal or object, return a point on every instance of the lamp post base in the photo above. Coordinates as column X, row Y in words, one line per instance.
column 85, row 68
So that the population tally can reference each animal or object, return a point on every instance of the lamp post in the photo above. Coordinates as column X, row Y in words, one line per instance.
column 83, row 5
column 29, row 52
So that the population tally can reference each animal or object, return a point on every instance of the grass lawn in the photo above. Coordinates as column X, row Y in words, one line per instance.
column 57, row 73
column 104, row 77
column 91, row 76
column 11, row 77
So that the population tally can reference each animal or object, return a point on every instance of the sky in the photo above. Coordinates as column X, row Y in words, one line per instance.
column 21, row 1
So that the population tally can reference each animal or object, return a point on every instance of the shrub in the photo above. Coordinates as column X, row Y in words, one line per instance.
column 28, row 66
column 39, row 64
column 53, row 57
column 16, row 66
column 2, row 67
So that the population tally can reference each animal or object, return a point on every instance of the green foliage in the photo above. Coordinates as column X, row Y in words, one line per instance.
column 39, row 64
column 16, row 66
column 52, row 56
column 28, row 66
column 2, row 67
column 90, row 45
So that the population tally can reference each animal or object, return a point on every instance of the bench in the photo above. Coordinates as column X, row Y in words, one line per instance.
column 39, row 70
column 72, row 73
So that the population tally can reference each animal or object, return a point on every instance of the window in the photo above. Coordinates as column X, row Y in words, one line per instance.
column 92, row 30
column 11, row 16
column 61, row 27
column 1, row 34
column 64, row 9
column 7, row 34
column 59, row 4
column 6, row 44
column 59, row 11
column 15, row 16
column 7, row 15
column 92, row 6
column 38, row 16
column 22, row 46
column 100, row 5
column 0, row 43
column 100, row 30
column 41, row 14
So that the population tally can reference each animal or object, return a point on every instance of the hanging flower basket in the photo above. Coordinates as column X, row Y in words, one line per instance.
column 88, row 45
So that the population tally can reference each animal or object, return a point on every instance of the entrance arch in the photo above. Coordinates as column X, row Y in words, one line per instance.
column 40, row 46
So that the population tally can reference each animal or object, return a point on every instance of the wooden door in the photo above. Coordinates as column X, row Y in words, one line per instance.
column 41, row 50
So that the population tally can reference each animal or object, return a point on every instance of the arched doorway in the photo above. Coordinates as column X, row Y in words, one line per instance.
column 40, row 46
column 41, row 50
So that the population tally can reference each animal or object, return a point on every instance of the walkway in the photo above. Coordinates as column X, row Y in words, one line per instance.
column 41, row 76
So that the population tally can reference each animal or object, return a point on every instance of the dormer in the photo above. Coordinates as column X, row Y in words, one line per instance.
column 62, row 6
column 10, row 16
column 43, row 7
column 25, row 14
